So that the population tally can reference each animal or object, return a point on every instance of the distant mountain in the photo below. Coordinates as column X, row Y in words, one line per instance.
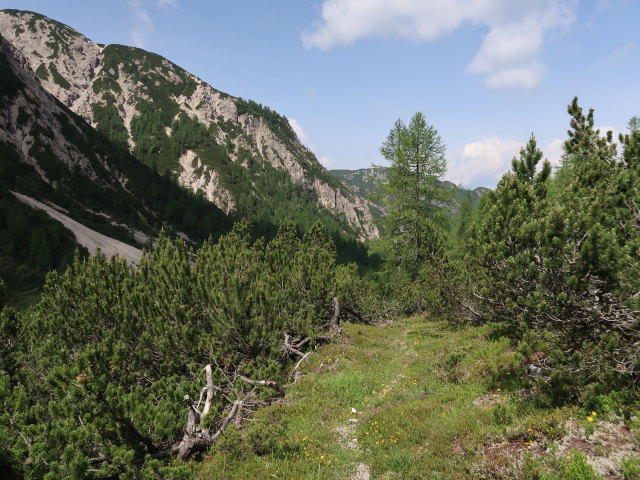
column 52, row 159
column 238, row 154
column 364, row 181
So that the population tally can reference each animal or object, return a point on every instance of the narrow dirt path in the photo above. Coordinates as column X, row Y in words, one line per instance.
column 348, row 440
column 346, row 430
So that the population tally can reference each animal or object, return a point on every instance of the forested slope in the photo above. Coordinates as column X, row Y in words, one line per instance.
column 238, row 154
column 52, row 155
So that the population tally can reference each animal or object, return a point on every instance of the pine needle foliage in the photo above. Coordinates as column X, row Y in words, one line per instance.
column 413, row 198
column 556, row 261
column 92, row 378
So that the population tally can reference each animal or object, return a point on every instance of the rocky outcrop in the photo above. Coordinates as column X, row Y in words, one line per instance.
column 31, row 111
column 66, row 61
column 199, row 178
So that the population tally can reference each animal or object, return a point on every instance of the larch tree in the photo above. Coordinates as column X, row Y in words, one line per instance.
column 413, row 197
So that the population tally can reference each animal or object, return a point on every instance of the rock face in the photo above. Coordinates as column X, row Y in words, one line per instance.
column 174, row 121
column 28, row 110
column 198, row 177
column 51, row 156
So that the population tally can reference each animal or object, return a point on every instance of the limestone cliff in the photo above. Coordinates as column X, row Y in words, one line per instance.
column 211, row 142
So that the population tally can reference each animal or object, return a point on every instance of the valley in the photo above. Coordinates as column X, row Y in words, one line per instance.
column 187, row 292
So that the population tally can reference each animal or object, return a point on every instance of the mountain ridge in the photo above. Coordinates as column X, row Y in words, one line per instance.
column 210, row 142
column 55, row 157
column 364, row 181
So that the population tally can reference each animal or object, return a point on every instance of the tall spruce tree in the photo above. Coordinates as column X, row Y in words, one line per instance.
column 414, row 200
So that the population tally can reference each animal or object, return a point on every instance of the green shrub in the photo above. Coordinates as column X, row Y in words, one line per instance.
column 110, row 352
column 503, row 414
column 271, row 438
column 631, row 468
column 577, row 468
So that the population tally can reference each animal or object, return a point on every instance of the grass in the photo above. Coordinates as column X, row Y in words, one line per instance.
column 431, row 401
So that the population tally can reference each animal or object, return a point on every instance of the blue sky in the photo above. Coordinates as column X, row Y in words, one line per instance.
column 486, row 73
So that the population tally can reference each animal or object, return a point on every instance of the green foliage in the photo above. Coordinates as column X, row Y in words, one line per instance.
column 263, row 195
column 31, row 243
column 57, row 78
column 100, row 366
column 272, row 438
column 109, row 122
column 577, row 468
column 412, row 198
column 503, row 414
column 415, row 225
column 42, row 72
column 631, row 468
column 555, row 261
column 276, row 122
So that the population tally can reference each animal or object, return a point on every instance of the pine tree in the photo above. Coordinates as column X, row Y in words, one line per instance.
column 463, row 220
column 504, row 241
column 559, row 266
column 95, row 376
column 413, row 198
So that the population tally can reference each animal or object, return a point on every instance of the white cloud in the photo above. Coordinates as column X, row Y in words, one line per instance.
column 298, row 129
column 143, row 25
column 526, row 77
column 482, row 163
column 325, row 161
column 553, row 152
column 167, row 3
column 508, row 56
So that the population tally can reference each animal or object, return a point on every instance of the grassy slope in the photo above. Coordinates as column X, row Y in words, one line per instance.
column 431, row 401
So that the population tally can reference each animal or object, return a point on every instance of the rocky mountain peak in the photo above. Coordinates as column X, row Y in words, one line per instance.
column 210, row 142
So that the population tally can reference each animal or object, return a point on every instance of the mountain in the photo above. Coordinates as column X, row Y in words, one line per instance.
column 364, row 182
column 86, row 192
column 238, row 154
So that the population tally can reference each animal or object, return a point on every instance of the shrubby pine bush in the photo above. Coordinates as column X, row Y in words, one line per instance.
column 555, row 261
column 101, row 376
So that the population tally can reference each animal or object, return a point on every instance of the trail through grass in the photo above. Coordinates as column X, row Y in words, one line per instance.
column 430, row 400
